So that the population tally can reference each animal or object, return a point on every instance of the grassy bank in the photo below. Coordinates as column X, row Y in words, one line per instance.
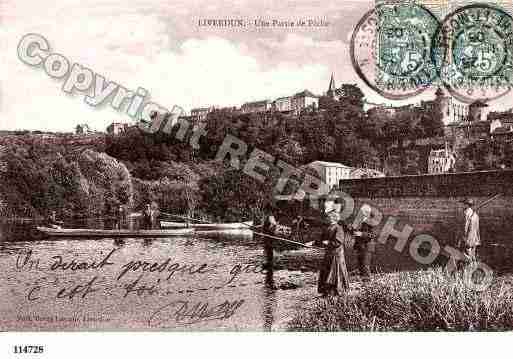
column 413, row 301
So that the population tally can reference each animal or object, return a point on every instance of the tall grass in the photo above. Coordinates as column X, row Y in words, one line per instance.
column 429, row 300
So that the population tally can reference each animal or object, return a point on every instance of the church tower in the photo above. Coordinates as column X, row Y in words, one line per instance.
column 331, row 88
column 444, row 103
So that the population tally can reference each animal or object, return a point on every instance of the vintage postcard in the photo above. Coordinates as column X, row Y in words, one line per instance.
column 256, row 166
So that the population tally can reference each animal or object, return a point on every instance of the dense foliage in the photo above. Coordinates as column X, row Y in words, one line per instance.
column 429, row 300
column 43, row 171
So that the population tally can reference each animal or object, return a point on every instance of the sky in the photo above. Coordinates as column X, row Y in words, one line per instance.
column 159, row 46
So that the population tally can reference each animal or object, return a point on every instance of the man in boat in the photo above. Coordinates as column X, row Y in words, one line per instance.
column 52, row 221
column 471, row 233
column 333, row 274
column 120, row 218
column 146, row 217
column 150, row 218
column 364, row 242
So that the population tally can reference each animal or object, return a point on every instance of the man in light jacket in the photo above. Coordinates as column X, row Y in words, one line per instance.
column 471, row 235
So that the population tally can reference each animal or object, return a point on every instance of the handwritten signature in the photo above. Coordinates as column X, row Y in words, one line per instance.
column 183, row 312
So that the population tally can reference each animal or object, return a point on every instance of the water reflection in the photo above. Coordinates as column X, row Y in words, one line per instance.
column 269, row 303
column 118, row 242
column 265, row 303
column 257, row 289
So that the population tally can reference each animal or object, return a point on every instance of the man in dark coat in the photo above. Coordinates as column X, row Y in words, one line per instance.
column 120, row 218
column 269, row 225
column 364, row 242
column 333, row 274
column 53, row 222
column 150, row 218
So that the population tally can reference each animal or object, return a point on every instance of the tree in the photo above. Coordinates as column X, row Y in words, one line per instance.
column 351, row 94
column 233, row 195
column 289, row 151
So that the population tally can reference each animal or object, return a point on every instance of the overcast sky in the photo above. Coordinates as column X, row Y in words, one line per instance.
column 159, row 46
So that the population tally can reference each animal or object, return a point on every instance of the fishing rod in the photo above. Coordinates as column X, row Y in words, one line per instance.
column 250, row 227
column 485, row 202
column 186, row 218
column 479, row 206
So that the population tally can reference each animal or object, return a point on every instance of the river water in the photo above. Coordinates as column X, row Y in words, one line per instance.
column 208, row 281
column 218, row 275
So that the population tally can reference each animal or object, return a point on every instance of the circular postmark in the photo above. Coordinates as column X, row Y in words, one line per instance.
column 473, row 52
column 391, row 49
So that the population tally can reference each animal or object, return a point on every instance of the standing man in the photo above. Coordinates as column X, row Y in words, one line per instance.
column 147, row 217
column 120, row 218
column 364, row 242
column 53, row 222
column 471, row 235
column 155, row 216
column 269, row 225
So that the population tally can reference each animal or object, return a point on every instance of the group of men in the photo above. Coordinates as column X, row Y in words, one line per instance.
column 121, row 219
column 336, row 236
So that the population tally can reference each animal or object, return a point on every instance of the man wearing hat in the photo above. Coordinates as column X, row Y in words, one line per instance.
column 364, row 244
column 471, row 235
column 269, row 225
column 333, row 275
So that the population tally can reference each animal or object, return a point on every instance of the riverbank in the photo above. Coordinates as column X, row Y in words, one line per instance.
column 429, row 300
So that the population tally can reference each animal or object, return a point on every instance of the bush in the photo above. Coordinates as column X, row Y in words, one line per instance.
column 413, row 301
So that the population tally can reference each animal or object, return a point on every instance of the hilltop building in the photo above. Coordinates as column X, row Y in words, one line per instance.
column 116, row 128
column 331, row 172
column 256, row 106
column 451, row 111
column 83, row 129
column 304, row 100
column 200, row 114
column 283, row 104
column 295, row 104
column 332, row 89
column 363, row 172
column 501, row 125
column 477, row 111
column 474, row 125
column 441, row 161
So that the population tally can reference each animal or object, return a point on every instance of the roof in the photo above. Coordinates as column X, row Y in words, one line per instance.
column 479, row 103
column 261, row 102
column 502, row 130
column 367, row 171
column 504, row 119
column 200, row 109
column 328, row 164
column 469, row 124
column 305, row 93
column 457, row 124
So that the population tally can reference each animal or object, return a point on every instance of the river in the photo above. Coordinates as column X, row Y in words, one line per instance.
column 203, row 282
column 209, row 281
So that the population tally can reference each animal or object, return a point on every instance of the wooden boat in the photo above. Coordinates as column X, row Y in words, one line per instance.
column 207, row 226
column 85, row 232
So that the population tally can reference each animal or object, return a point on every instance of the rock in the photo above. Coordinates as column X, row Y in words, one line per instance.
column 289, row 285
column 293, row 281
